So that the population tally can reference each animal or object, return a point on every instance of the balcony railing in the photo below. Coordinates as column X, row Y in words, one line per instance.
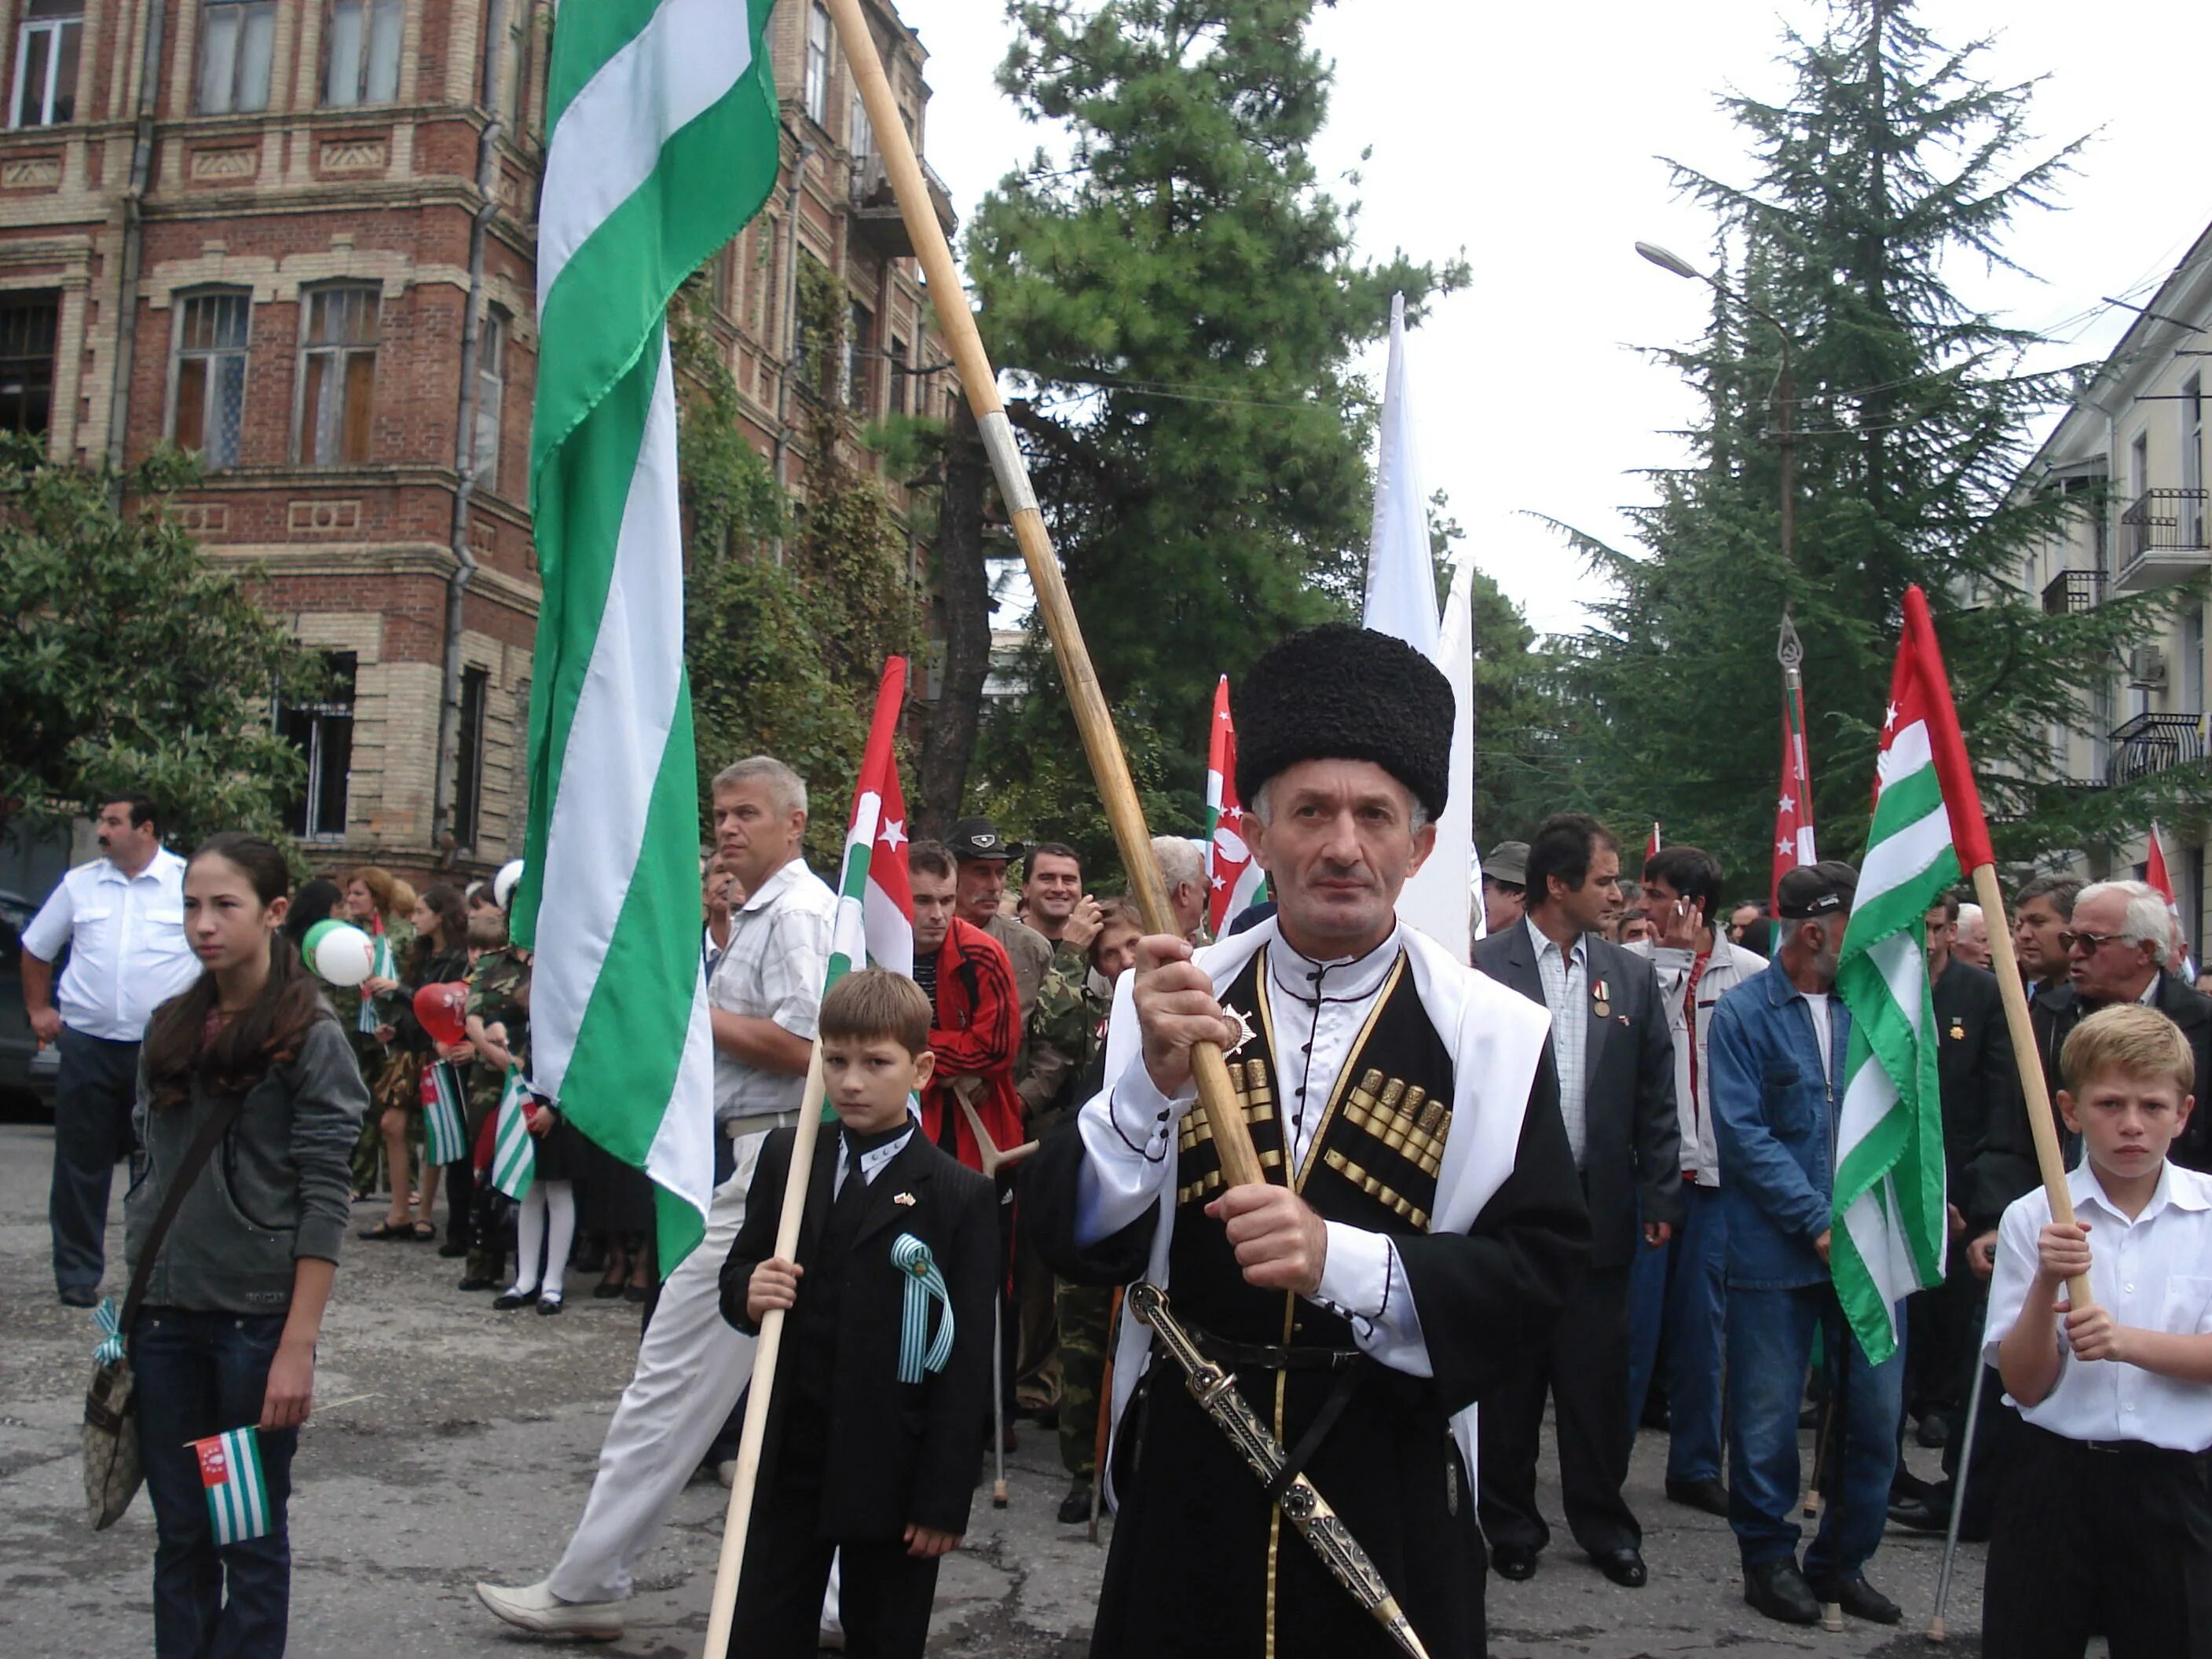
column 2072, row 590
column 875, row 211
column 2154, row 742
column 2163, row 519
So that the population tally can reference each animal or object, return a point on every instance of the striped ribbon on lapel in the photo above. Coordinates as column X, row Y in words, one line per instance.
column 924, row 1284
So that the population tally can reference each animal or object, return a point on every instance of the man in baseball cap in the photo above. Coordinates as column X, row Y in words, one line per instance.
column 981, row 855
column 1505, row 885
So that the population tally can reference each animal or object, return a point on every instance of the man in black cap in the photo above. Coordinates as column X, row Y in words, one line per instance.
column 982, row 854
column 1777, row 1050
column 1420, row 1223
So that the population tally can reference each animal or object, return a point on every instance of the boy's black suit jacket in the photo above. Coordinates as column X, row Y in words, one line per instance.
column 898, row 1452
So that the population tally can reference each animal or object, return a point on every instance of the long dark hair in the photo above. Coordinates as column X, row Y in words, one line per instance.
column 266, row 1033
column 452, row 914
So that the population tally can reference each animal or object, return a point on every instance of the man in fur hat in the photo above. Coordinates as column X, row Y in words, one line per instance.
column 1420, row 1224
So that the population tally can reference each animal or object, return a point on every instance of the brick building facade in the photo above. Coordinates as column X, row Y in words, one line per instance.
column 260, row 229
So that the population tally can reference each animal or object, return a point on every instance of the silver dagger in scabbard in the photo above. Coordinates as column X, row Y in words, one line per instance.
column 1215, row 1391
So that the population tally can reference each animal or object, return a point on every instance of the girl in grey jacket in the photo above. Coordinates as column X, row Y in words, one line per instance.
column 225, row 1337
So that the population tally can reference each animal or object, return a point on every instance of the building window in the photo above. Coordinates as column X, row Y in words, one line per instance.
column 364, row 53
column 895, row 372
column 45, row 62
column 2192, row 460
column 209, row 414
column 467, row 757
column 859, row 342
column 337, row 375
column 27, row 326
column 235, row 39
column 860, row 137
column 323, row 733
column 817, row 66
column 491, row 397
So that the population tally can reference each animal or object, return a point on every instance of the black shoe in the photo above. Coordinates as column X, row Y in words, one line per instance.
column 549, row 1304
column 1921, row 1514
column 1514, row 1561
column 476, row 1282
column 1860, row 1600
column 507, row 1301
column 453, row 1248
column 1935, row 1431
column 1777, row 1589
column 1625, row 1567
column 1075, row 1507
column 1708, row 1494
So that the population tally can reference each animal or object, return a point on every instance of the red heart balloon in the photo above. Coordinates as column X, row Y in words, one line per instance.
column 443, row 1010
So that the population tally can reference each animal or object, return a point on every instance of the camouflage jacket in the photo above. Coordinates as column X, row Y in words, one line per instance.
column 1066, row 1031
column 495, row 990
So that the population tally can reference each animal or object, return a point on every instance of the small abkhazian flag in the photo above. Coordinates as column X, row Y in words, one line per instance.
column 2156, row 879
column 381, row 966
column 513, row 1156
column 874, row 923
column 237, row 1496
column 1889, row 1220
column 445, row 1124
column 1234, row 882
column 1793, row 809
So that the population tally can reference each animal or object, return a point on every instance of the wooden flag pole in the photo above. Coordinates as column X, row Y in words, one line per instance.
column 2050, row 1162
column 738, row 1518
column 1117, row 791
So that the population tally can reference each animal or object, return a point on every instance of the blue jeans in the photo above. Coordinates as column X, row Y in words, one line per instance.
column 1684, row 1289
column 195, row 1374
column 1770, row 1343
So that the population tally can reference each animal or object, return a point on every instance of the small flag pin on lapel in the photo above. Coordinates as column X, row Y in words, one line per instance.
column 902, row 1198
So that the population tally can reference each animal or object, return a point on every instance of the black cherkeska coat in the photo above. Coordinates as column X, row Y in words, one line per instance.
column 898, row 1453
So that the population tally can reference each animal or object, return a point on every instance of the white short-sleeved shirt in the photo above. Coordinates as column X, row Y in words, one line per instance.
column 772, row 970
column 125, row 937
column 2154, row 1273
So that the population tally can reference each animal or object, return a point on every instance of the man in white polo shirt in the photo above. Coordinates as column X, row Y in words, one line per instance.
column 121, row 918
column 766, row 947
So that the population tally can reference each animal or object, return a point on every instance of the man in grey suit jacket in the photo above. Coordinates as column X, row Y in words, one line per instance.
column 1616, row 1062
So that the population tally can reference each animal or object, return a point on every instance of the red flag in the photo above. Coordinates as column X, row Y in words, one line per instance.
column 1652, row 847
column 1234, row 882
column 2156, row 879
column 1793, row 809
column 1970, row 831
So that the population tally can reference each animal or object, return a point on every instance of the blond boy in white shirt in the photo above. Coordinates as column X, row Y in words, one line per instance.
column 2106, row 1523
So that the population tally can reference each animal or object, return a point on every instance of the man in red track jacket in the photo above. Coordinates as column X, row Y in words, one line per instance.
column 978, row 1027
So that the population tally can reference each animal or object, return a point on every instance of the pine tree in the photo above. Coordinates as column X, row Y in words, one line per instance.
column 1183, row 306
column 1887, row 169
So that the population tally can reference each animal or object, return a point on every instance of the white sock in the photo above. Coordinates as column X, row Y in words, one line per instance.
column 560, row 1204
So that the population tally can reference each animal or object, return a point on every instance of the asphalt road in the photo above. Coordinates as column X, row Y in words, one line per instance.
column 471, row 1443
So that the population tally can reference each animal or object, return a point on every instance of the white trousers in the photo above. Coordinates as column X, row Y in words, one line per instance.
column 691, row 1368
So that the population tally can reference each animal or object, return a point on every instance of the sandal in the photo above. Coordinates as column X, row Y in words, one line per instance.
column 422, row 1232
column 389, row 1229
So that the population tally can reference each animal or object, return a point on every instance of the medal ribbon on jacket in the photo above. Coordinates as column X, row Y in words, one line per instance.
column 924, row 1284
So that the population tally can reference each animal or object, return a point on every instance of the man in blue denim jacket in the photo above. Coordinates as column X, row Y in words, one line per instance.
column 1776, row 1050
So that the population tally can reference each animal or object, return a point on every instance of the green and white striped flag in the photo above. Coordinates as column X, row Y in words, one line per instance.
column 514, row 1154
column 663, row 142
column 1889, row 1220
column 445, row 1123
column 237, row 1495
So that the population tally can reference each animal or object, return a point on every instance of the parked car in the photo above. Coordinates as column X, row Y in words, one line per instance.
column 25, row 1067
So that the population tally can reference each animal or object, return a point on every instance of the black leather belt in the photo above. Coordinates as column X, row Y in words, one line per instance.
column 2132, row 1451
column 1263, row 1357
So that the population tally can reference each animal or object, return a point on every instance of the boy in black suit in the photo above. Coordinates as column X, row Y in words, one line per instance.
column 884, row 1387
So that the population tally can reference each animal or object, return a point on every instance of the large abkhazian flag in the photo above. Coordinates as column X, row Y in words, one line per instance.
column 1793, row 808
column 2156, row 878
column 874, row 925
column 1234, row 882
column 1889, row 1226
column 663, row 142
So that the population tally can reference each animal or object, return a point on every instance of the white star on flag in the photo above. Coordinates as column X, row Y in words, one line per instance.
column 1889, row 718
column 894, row 833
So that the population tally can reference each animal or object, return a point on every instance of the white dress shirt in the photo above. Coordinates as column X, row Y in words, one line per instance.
column 772, row 970
column 871, row 1161
column 125, row 936
column 2154, row 1273
column 1565, row 976
column 1317, row 1010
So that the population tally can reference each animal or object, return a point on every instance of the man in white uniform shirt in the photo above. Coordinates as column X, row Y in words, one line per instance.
column 764, row 959
column 121, row 918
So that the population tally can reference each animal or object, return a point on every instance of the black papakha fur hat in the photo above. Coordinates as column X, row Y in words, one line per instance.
column 1337, row 692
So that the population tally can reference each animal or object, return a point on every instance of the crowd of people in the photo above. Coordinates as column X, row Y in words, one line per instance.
column 1631, row 1222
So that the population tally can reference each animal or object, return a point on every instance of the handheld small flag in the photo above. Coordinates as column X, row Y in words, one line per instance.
column 1793, row 808
column 513, row 1156
column 382, row 967
column 237, row 1496
column 444, row 1125
column 874, row 924
column 2159, row 881
column 1890, row 1221
column 1234, row 882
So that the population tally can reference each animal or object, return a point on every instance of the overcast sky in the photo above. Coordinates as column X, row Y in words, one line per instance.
column 1529, row 137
